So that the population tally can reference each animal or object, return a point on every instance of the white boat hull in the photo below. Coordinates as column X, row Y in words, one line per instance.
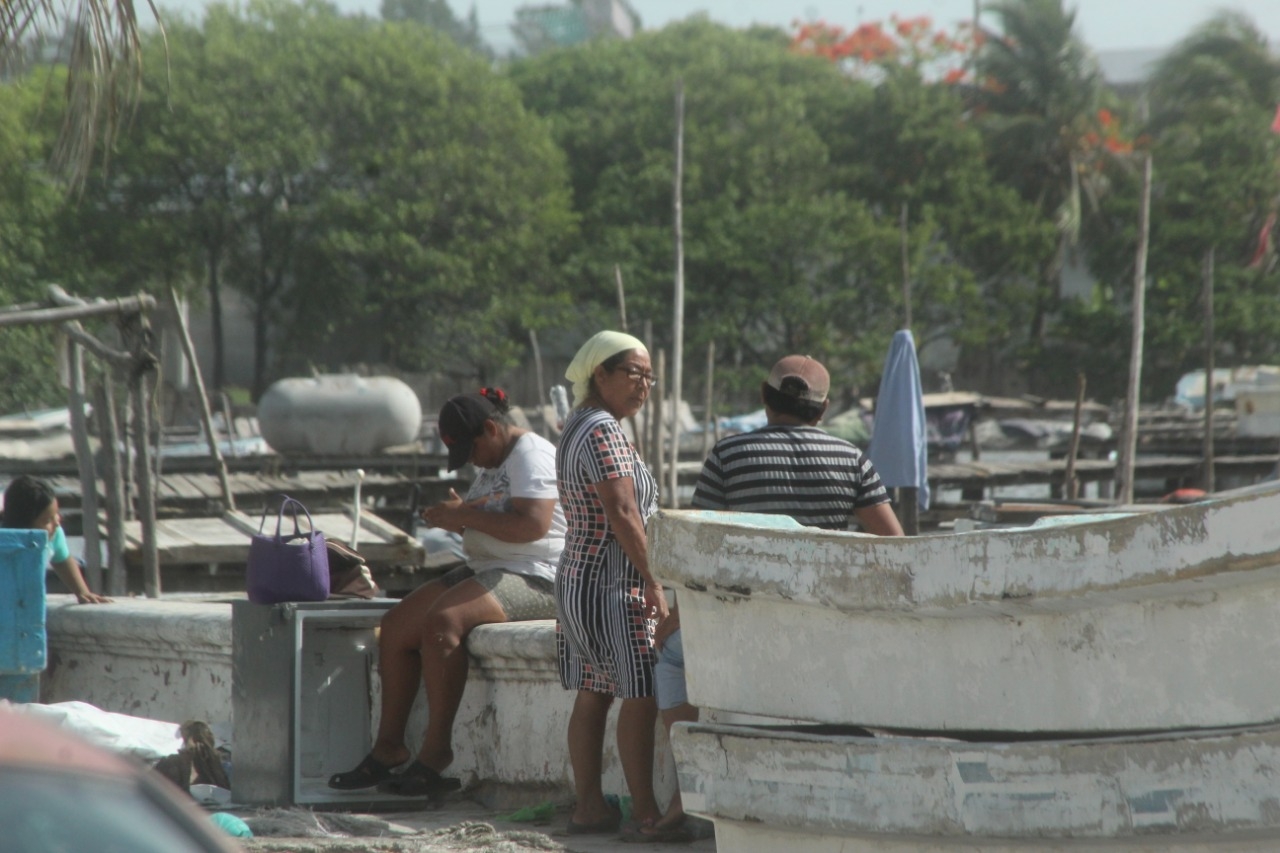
column 1163, row 620
column 1184, row 791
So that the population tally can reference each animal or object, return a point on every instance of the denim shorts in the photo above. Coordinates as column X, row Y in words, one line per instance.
column 669, row 673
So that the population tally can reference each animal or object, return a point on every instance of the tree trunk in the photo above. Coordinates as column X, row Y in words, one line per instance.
column 215, row 322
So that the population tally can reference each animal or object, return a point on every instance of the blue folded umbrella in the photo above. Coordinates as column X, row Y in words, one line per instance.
column 899, row 440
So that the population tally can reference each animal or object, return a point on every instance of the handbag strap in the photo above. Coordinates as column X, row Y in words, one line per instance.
column 293, row 506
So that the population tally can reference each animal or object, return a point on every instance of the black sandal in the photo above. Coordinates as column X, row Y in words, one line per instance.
column 366, row 774
column 419, row 780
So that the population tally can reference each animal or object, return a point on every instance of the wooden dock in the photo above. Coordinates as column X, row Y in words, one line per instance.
column 184, row 494
column 225, row 540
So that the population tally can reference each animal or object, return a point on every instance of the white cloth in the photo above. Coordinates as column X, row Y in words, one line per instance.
column 529, row 471
column 899, row 441
column 598, row 348
column 147, row 739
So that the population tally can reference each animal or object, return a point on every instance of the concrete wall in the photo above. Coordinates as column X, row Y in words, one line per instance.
column 171, row 660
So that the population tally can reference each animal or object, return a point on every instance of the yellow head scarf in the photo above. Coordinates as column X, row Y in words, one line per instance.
column 592, row 354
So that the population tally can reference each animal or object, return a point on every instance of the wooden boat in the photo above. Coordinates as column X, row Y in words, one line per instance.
column 1095, row 623
column 1105, row 682
column 791, row 790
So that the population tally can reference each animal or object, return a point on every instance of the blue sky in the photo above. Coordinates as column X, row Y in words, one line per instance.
column 1104, row 24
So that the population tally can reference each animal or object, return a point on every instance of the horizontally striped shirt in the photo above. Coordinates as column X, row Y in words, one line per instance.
column 800, row 471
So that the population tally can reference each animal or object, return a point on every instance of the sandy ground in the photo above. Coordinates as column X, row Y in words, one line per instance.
column 460, row 826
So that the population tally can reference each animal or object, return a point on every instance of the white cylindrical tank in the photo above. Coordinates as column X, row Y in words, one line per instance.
column 339, row 414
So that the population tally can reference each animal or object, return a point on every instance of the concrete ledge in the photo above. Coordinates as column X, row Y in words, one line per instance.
column 172, row 660
column 163, row 660
column 1172, row 791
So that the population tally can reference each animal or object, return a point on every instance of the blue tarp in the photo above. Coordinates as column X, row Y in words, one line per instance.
column 899, row 444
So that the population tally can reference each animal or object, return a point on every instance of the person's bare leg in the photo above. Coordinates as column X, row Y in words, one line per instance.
column 445, row 663
column 399, row 669
column 636, row 719
column 586, row 755
column 684, row 713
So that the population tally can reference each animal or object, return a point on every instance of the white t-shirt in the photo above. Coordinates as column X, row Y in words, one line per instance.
column 529, row 471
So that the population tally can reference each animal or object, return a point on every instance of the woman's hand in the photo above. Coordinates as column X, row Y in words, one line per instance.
column 666, row 628
column 655, row 602
column 446, row 514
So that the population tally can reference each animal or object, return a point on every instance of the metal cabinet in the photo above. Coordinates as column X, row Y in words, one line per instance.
column 304, row 690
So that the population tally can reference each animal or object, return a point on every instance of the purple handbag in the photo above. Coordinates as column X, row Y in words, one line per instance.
column 287, row 567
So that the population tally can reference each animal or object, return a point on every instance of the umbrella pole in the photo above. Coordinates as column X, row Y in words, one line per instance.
column 909, row 509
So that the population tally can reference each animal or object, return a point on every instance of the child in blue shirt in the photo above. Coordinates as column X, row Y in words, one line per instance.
column 29, row 504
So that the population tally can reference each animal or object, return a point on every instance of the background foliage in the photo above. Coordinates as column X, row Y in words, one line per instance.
column 383, row 192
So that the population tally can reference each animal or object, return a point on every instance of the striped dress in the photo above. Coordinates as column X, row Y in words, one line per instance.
column 800, row 471
column 604, row 642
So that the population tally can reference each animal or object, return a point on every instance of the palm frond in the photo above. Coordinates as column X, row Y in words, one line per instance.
column 104, row 69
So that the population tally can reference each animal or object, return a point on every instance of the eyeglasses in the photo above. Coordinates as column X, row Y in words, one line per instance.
column 637, row 375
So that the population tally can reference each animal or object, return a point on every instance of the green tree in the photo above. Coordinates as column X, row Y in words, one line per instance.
column 30, row 200
column 376, row 192
column 1217, row 175
column 778, row 256
column 1039, row 95
column 438, row 15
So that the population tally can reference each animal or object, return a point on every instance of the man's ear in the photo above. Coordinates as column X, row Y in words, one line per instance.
column 826, row 404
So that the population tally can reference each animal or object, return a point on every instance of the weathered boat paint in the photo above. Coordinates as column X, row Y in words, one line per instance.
column 1095, row 624
column 772, row 790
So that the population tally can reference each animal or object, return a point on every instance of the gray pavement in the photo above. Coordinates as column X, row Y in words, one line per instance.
column 458, row 825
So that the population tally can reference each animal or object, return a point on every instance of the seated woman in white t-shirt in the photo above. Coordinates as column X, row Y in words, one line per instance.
column 29, row 504
column 513, row 532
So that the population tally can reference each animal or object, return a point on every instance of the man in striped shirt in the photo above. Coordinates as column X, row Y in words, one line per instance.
column 787, row 467
column 790, row 467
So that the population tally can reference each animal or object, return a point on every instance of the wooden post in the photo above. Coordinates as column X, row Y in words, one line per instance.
column 1073, row 485
column 206, row 413
column 146, row 488
column 1129, row 446
column 78, row 310
column 906, row 267
column 656, row 456
column 537, row 369
column 709, row 421
column 677, row 325
column 113, row 480
column 1207, row 477
column 622, row 299
column 84, row 462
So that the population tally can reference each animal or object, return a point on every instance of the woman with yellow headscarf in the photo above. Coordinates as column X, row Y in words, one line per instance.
column 606, row 599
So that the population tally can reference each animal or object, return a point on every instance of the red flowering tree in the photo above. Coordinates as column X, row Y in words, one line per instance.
column 870, row 49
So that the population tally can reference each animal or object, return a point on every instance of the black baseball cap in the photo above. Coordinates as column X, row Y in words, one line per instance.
column 461, row 422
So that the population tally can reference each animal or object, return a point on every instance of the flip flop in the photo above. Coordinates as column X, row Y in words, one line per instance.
column 419, row 780
column 366, row 774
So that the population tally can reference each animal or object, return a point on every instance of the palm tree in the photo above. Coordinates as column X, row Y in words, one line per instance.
column 104, row 67
column 1223, row 66
column 1038, row 97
